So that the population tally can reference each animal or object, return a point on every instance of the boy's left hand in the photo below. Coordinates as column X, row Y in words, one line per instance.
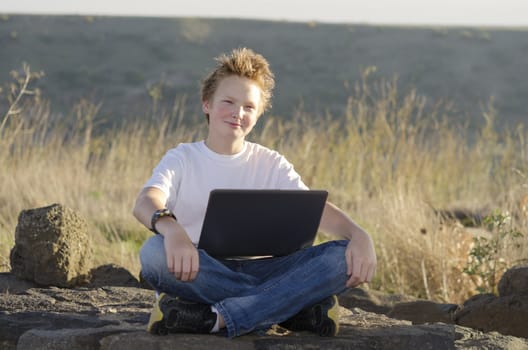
column 361, row 260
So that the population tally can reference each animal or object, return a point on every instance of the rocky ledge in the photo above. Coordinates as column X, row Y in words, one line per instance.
column 112, row 313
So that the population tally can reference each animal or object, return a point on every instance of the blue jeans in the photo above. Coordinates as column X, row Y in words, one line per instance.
column 253, row 294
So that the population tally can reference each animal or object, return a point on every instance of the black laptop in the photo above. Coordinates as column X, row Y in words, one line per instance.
column 257, row 223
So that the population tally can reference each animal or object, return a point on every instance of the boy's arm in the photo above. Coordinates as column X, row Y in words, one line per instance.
column 360, row 255
column 182, row 256
column 148, row 201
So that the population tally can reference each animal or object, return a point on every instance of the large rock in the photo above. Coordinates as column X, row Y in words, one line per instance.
column 469, row 339
column 371, row 300
column 383, row 335
column 398, row 306
column 70, row 339
column 14, row 325
column 487, row 312
column 423, row 311
column 514, row 281
column 112, row 275
column 52, row 247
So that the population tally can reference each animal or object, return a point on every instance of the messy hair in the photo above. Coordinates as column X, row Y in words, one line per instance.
column 245, row 63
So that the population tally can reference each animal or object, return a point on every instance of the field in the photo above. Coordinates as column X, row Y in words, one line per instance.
column 121, row 63
column 394, row 168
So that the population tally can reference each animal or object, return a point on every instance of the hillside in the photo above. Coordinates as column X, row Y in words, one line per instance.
column 117, row 61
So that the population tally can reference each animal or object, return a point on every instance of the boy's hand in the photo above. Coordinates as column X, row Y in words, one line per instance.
column 182, row 256
column 361, row 260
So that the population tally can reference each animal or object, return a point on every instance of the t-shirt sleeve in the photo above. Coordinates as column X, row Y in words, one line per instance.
column 288, row 178
column 166, row 176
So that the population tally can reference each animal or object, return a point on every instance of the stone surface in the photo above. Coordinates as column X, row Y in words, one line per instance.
column 143, row 340
column 385, row 337
column 81, row 315
column 97, row 301
column 486, row 312
column 423, row 311
column 469, row 339
column 398, row 306
column 52, row 247
column 371, row 300
column 110, row 317
column 111, row 275
column 514, row 281
column 68, row 339
column 9, row 283
column 14, row 325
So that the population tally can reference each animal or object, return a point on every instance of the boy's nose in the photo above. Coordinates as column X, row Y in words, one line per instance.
column 238, row 112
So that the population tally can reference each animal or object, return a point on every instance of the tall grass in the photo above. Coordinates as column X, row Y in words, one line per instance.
column 387, row 162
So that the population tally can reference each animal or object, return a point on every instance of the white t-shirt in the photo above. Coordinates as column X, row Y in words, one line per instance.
column 187, row 173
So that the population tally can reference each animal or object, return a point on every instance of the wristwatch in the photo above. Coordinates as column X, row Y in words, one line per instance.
column 158, row 214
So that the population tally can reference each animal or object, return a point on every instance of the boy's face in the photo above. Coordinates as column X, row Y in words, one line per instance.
column 234, row 108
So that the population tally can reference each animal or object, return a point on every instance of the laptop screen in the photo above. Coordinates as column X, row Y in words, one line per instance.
column 248, row 223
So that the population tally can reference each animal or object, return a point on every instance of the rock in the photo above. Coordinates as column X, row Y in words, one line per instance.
column 423, row 311
column 393, row 337
column 398, row 306
column 388, row 337
column 370, row 300
column 52, row 247
column 9, row 283
column 80, row 315
column 486, row 312
column 109, row 317
column 142, row 340
column 469, row 339
column 514, row 281
column 111, row 275
column 102, row 301
column 68, row 339
column 14, row 325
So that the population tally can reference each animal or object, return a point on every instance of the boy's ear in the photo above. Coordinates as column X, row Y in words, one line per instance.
column 205, row 107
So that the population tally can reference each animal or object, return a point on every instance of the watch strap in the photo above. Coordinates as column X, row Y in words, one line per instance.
column 158, row 214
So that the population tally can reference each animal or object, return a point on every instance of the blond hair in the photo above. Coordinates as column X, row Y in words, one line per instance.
column 245, row 63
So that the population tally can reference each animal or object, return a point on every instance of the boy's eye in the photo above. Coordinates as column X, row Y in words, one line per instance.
column 227, row 101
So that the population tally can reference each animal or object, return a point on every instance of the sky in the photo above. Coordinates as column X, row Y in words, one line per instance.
column 503, row 13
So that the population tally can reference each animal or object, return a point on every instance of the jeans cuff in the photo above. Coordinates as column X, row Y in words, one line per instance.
column 230, row 326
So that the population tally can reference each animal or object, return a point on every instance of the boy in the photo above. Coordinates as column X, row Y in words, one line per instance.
column 200, row 294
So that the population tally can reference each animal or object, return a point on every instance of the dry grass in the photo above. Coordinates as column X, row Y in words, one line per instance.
column 386, row 162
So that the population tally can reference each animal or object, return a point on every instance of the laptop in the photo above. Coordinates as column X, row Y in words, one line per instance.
column 260, row 223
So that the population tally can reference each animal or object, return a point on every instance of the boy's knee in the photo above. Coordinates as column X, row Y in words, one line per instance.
column 335, row 254
column 152, row 254
column 336, row 248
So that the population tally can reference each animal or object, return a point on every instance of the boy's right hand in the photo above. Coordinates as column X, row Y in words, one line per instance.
column 182, row 256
